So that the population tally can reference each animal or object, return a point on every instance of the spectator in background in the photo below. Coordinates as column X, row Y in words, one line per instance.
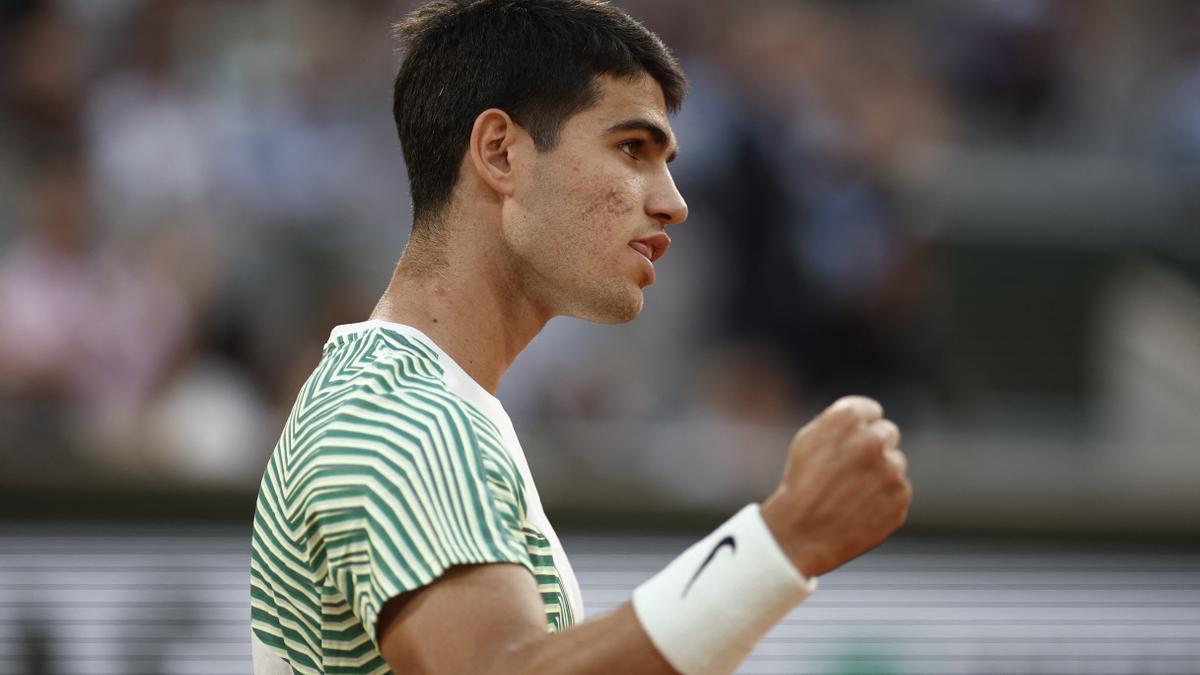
column 49, row 287
column 85, row 335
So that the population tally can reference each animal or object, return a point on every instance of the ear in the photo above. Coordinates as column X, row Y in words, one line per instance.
column 492, row 138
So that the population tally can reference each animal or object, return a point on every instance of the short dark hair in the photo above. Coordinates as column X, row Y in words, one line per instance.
column 537, row 60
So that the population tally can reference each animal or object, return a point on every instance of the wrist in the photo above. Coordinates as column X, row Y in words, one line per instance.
column 805, row 556
column 709, row 607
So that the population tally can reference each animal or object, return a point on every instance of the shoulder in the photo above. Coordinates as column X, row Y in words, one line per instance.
column 397, row 398
column 394, row 418
column 404, row 385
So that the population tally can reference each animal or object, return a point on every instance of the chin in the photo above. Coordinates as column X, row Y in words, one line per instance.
column 618, row 307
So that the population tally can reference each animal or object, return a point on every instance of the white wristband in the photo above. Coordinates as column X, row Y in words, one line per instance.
column 707, row 610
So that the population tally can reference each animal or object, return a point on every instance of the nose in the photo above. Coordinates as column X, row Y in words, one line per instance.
column 665, row 204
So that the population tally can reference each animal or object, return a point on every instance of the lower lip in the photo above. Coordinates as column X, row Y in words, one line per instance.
column 645, row 261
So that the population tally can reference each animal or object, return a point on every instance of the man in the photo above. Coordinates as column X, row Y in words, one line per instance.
column 398, row 528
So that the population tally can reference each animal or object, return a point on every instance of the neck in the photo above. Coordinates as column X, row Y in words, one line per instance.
column 466, row 302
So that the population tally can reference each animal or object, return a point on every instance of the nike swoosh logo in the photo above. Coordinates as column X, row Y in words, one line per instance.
column 727, row 541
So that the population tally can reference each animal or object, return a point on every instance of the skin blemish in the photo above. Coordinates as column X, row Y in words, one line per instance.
column 610, row 202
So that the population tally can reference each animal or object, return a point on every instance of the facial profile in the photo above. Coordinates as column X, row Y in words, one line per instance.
column 586, row 220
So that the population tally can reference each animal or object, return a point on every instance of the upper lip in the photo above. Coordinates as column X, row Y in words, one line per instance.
column 657, row 243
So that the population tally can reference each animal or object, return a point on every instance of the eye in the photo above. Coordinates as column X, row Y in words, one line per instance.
column 631, row 147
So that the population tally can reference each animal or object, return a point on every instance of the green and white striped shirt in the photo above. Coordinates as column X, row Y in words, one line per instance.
column 393, row 466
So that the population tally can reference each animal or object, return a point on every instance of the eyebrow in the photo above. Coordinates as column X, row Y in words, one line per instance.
column 658, row 135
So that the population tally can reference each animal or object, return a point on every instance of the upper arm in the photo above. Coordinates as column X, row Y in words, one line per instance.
column 489, row 620
column 468, row 621
column 401, row 495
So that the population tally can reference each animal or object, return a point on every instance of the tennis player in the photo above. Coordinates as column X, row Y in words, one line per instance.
column 398, row 528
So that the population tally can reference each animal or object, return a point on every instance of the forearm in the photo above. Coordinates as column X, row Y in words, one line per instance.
column 705, row 612
column 612, row 643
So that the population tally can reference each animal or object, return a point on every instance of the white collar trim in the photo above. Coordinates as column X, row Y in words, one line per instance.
column 490, row 402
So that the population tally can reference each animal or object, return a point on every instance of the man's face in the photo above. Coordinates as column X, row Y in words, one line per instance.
column 586, row 219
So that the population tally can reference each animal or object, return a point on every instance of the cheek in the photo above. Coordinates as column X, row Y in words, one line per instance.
column 585, row 207
column 607, row 204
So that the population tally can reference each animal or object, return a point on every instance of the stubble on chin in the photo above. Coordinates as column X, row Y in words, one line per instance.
column 611, row 303
column 565, row 289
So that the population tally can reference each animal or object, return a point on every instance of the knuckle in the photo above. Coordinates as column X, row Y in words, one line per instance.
column 841, row 416
column 886, row 432
column 873, row 408
column 844, row 402
column 867, row 448
column 857, row 408
column 872, row 439
column 889, row 431
column 894, row 485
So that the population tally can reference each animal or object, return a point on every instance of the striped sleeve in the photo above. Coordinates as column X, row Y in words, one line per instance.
column 406, row 488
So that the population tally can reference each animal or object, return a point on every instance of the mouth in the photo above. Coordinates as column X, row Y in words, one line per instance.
column 653, row 247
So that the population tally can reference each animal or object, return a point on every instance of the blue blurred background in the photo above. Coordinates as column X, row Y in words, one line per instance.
column 984, row 214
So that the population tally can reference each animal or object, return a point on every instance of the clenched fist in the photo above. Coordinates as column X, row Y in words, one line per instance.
column 844, row 489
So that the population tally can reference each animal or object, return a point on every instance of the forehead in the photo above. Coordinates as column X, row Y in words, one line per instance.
column 624, row 99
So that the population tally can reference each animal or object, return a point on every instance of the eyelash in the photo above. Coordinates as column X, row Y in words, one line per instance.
column 628, row 147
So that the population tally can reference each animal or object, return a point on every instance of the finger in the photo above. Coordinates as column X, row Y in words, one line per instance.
column 896, row 460
column 886, row 431
column 870, row 441
column 854, row 410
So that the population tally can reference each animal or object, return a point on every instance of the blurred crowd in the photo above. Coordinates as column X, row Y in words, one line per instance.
column 193, row 192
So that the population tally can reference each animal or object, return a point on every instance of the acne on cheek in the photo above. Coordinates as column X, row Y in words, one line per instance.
column 609, row 202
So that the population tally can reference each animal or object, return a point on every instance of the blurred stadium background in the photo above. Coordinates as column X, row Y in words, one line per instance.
column 985, row 214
